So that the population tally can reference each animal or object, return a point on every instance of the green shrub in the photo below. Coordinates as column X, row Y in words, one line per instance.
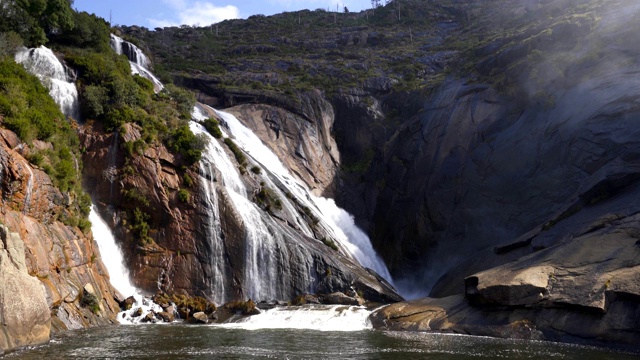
column 140, row 226
column 239, row 155
column 213, row 127
column 184, row 142
column 187, row 180
column 90, row 301
column 183, row 195
column 329, row 243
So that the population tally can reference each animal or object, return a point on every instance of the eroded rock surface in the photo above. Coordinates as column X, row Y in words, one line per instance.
column 45, row 264
column 24, row 314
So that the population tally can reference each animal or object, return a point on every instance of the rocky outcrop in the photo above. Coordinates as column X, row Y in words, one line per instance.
column 149, row 181
column 24, row 314
column 45, row 263
column 306, row 145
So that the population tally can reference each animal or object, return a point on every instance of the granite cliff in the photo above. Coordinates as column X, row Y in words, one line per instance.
column 49, row 269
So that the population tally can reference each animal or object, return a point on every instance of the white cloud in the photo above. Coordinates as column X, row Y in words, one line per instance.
column 199, row 13
column 206, row 13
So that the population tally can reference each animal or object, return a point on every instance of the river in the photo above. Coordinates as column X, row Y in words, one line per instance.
column 178, row 341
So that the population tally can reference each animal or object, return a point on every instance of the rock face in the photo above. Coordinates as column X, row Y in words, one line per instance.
column 24, row 313
column 45, row 264
column 306, row 144
column 203, row 246
column 541, row 191
column 583, row 290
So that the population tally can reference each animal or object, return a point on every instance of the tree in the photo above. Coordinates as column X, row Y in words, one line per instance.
column 346, row 10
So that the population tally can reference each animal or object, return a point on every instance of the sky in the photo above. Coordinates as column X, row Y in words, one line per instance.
column 162, row 13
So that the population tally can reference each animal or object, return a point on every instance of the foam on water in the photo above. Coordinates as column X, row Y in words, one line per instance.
column 309, row 317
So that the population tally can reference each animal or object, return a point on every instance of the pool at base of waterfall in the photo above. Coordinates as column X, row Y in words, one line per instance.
column 180, row 341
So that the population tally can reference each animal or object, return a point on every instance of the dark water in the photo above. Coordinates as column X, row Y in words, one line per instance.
column 208, row 342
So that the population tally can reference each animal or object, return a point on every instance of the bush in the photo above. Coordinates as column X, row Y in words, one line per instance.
column 213, row 127
column 183, row 195
column 184, row 142
column 187, row 180
column 90, row 301
column 239, row 155
column 244, row 307
column 329, row 243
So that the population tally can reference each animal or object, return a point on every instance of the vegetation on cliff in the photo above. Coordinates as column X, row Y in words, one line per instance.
column 108, row 94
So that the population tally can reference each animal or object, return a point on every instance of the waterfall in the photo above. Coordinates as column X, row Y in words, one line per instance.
column 338, row 221
column 118, row 273
column 111, row 254
column 268, row 253
column 312, row 317
column 137, row 59
column 52, row 74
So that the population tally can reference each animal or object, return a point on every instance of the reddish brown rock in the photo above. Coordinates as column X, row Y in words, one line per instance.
column 59, row 258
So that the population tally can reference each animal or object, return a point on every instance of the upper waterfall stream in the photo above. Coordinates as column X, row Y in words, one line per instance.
column 53, row 75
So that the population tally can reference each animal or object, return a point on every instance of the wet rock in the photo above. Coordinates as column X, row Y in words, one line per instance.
column 200, row 318
column 166, row 316
column 137, row 313
column 25, row 315
column 128, row 303
column 339, row 298
column 149, row 318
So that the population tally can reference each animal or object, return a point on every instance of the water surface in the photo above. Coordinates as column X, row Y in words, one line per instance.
column 178, row 341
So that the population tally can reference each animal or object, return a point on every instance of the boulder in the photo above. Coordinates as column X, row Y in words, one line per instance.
column 128, row 303
column 524, row 286
column 137, row 313
column 166, row 316
column 200, row 318
column 25, row 318
column 339, row 298
column 149, row 318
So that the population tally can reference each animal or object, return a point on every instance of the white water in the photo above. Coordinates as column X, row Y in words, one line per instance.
column 52, row 74
column 111, row 254
column 310, row 317
column 138, row 61
column 338, row 221
column 118, row 273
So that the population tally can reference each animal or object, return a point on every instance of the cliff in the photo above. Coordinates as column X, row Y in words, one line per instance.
column 200, row 245
column 48, row 268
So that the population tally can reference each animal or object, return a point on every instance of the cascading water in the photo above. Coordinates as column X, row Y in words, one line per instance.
column 111, row 254
column 339, row 222
column 137, row 59
column 118, row 274
column 267, row 251
column 45, row 65
column 312, row 317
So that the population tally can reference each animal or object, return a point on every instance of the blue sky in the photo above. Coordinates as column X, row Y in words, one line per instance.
column 160, row 13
